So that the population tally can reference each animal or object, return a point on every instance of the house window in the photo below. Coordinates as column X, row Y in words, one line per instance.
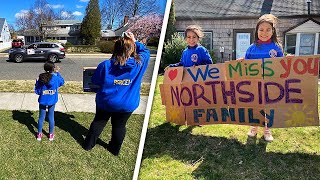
column 307, row 44
column 291, row 43
column 206, row 41
column 63, row 27
column 302, row 44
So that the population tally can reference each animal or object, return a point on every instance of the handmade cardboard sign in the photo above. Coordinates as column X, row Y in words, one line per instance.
column 276, row 92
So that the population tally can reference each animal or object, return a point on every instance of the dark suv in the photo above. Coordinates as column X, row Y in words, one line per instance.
column 39, row 50
column 17, row 43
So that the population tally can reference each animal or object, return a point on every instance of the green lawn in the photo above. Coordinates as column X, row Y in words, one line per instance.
column 23, row 157
column 70, row 87
column 226, row 152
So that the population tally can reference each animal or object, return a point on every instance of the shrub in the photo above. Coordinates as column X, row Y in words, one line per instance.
column 82, row 49
column 106, row 46
column 153, row 41
column 173, row 50
column 213, row 56
column 68, row 43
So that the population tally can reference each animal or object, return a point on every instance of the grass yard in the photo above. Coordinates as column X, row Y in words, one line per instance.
column 70, row 87
column 226, row 152
column 23, row 157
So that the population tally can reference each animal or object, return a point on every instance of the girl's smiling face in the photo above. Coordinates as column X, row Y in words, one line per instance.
column 192, row 39
column 265, row 31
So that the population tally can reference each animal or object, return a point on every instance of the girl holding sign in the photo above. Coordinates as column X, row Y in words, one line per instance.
column 266, row 45
column 119, row 80
column 194, row 54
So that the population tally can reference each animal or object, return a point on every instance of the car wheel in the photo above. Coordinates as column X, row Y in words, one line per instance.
column 18, row 58
column 53, row 58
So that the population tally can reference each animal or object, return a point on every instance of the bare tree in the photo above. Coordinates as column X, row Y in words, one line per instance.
column 12, row 31
column 111, row 11
column 38, row 15
column 25, row 21
column 140, row 7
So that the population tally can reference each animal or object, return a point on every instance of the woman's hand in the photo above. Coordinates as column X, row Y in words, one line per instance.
column 131, row 36
column 56, row 69
column 289, row 55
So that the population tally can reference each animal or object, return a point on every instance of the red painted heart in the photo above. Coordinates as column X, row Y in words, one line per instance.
column 173, row 74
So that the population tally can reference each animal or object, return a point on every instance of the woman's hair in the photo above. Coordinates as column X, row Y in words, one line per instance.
column 272, row 20
column 46, row 77
column 124, row 48
column 195, row 29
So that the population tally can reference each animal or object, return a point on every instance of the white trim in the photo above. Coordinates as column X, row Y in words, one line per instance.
column 211, row 39
column 151, row 92
column 297, row 44
column 316, row 42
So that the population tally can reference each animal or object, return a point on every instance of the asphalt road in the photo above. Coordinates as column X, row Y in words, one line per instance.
column 71, row 68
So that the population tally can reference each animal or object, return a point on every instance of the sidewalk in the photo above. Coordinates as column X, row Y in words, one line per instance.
column 66, row 102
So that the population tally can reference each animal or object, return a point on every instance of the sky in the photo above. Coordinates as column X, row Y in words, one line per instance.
column 10, row 9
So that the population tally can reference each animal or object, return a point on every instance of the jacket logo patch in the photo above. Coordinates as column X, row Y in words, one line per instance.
column 194, row 57
column 273, row 53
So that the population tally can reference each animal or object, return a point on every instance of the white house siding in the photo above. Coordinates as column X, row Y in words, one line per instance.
column 220, row 29
column 5, row 37
column 307, row 27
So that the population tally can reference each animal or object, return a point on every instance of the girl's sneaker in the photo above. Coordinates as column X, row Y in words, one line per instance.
column 51, row 137
column 253, row 131
column 39, row 136
column 267, row 135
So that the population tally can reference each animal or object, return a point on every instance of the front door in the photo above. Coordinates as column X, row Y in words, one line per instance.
column 242, row 39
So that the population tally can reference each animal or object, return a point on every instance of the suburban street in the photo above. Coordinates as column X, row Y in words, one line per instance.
column 71, row 68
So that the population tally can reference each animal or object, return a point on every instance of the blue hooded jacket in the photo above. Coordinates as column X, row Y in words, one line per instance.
column 262, row 51
column 197, row 55
column 120, row 85
column 48, row 94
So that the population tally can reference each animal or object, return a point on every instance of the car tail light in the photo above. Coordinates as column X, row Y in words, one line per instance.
column 62, row 49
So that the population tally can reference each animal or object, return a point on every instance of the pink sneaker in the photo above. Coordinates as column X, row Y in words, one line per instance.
column 253, row 131
column 51, row 137
column 39, row 136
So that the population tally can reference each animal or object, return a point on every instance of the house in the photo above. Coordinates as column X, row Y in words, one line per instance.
column 5, row 37
column 63, row 31
column 229, row 25
column 114, row 34
column 31, row 36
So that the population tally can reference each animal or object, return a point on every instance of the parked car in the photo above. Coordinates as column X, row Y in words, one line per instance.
column 39, row 50
column 17, row 43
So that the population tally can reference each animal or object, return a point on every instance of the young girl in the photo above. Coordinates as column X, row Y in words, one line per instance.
column 119, row 80
column 194, row 54
column 266, row 45
column 47, row 89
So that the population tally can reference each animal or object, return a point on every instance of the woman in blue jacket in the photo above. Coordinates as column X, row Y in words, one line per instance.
column 119, row 80
column 47, row 89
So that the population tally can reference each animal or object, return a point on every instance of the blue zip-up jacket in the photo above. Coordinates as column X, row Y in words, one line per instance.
column 48, row 94
column 120, row 85
column 269, row 50
column 197, row 55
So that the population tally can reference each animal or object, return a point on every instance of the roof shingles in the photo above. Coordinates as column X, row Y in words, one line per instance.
column 242, row 8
